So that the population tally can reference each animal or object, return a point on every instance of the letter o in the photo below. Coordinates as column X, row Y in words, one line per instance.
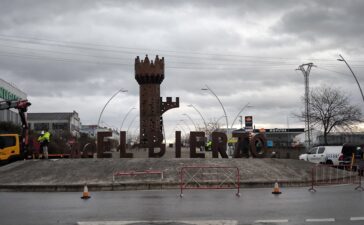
column 261, row 151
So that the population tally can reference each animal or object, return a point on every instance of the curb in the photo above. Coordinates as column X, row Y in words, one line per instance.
column 131, row 186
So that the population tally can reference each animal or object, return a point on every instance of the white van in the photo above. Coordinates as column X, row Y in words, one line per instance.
column 324, row 155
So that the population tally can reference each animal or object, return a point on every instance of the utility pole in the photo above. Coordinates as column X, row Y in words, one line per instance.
column 306, row 68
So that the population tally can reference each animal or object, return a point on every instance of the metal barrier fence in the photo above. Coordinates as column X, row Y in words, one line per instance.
column 137, row 173
column 209, row 177
column 327, row 175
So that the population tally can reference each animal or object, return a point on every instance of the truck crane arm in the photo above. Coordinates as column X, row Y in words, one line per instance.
column 22, row 107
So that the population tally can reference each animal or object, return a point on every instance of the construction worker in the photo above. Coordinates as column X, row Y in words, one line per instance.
column 44, row 140
column 208, row 146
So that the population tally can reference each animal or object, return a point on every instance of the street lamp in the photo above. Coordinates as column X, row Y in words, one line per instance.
column 126, row 117
column 131, row 123
column 185, row 114
column 242, row 109
column 190, row 105
column 184, row 122
column 352, row 72
column 121, row 90
column 222, row 106
column 184, row 131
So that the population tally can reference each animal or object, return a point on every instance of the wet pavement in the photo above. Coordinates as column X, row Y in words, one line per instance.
column 329, row 205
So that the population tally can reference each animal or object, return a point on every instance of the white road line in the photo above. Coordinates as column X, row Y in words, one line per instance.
column 191, row 222
column 321, row 220
column 271, row 221
column 356, row 218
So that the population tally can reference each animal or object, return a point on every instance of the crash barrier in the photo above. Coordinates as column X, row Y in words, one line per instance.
column 137, row 173
column 328, row 175
column 209, row 177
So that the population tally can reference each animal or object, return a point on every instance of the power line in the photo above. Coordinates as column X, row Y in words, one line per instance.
column 129, row 50
column 86, row 46
column 254, row 63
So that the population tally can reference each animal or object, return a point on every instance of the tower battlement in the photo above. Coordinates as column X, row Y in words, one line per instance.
column 169, row 104
column 147, row 71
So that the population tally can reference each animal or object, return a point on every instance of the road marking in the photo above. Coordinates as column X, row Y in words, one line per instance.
column 321, row 220
column 271, row 221
column 156, row 222
column 356, row 218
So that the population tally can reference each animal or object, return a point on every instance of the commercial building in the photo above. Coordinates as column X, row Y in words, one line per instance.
column 90, row 130
column 9, row 92
column 57, row 122
column 340, row 138
column 278, row 137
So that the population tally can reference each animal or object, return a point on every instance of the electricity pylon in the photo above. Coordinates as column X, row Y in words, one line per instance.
column 306, row 69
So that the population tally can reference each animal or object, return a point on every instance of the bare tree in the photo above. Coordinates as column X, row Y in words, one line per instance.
column 330, row 109
column 212, row 126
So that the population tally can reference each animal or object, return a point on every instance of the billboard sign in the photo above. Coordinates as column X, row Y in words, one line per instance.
column 249, row 122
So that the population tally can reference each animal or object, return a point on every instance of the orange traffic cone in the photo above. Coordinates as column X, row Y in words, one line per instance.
column 276, row 190
column 85, row 194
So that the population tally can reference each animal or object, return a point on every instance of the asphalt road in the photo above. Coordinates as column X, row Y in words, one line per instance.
column 329, row 205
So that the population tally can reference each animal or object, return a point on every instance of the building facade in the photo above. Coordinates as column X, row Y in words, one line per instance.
column 90, row 130
column 282, row 137
column 56, row 122
column 278, row 137
column 340, row 138
column 8, row 92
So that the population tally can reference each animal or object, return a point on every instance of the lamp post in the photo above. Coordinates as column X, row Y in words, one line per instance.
column 204, row 121
column 184, row 131
column 121, row 90
column 122, row 123
column 131, row 123
column 185, row 114
column 242, row 109
column 222, row 106
column 226, row 118
column 352, row 72
column 184, row 122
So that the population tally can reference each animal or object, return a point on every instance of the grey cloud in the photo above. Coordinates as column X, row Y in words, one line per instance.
column 332, row 20
column 203, row 42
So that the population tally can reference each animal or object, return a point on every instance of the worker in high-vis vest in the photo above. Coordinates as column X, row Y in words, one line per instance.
column 44, row 140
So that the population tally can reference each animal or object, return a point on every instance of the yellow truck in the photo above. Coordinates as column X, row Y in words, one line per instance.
column 10, row 148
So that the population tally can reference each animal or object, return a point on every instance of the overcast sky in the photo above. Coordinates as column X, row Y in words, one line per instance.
column 74, row 55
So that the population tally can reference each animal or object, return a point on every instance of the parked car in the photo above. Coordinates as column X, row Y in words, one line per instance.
column 323, row 154
column 348, row 152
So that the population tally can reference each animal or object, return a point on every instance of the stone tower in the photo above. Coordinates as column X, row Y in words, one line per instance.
column 149, row 76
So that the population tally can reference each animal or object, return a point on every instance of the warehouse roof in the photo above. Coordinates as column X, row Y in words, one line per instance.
column 51, row 116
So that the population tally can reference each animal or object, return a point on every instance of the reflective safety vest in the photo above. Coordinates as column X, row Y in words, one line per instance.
column 45, row 137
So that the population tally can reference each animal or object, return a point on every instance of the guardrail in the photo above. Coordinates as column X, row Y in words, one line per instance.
column 327, row 175
column 137, row 173
column 209, row 177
